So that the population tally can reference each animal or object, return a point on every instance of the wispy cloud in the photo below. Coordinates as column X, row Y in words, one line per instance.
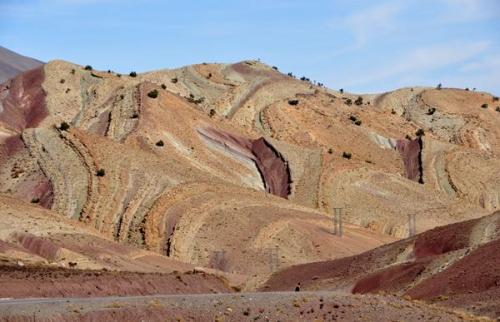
column 423, row 60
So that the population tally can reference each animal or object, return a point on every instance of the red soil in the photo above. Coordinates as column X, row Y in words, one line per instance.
column 37, row 245
column 24, row 282
column 410, row 152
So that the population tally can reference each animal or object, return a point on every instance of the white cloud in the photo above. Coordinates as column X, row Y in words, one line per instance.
column 470, row 10
column 371, row 22
column 424, row 60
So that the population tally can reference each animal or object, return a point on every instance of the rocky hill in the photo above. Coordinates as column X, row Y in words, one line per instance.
column 11, row 64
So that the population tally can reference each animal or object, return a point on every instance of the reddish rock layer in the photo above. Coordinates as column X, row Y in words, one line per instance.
column 24, row 105
column 272, row 166
column 410, row 151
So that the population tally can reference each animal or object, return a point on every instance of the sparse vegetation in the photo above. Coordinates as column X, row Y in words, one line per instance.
column 64, row 126
column 348, row 102
column 88, row 67
column 72, row 71
column 100, row 173
column 174, row 80
column 485, row 105
column 353, row 118
column 159, row 143
column 359, row 101
column 153, row 93
column 275, row 68
column 330, row 151
column 209, row 75
column 420, row 132
column 293, row 102
column 358, row 122
column 135, row 115
column 341, row 91
column 431, row 111
column 393, row 111
column 163, row 86
column 95, row 75
column 495, row 98
column 62, row 81
column 35, row 200
column 212, row 112
column 439, row 86
column 133, row 74
column 346, row 155
column 497, row 109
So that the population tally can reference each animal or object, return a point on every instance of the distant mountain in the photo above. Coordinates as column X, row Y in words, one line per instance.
column 12, row 63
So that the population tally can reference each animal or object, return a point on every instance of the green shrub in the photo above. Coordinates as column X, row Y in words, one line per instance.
column 133, row 74
column 212, row 112
column 346, row 155
column 135, row 115
column 495, row 98
column 160, row 143
column 485, row 105
column 88, row 67
column 358, row 122
column 353, row 118
column 293, row 102
column 497, row 109
column 439, row 86
column 359, row 101
column 64, row 126
column 348, row 102
column 100, row 173
column 431, row 111
column 163, row 86
column 174, row 80
column 35, row 200
column 153, row 93
column 420, row 132
column 330, row 151
column 341, row 91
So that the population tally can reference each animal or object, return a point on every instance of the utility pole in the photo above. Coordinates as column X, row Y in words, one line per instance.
column 337, row 222
column 412, row 225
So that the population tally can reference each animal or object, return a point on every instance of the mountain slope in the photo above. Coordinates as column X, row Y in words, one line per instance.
column 11, row 64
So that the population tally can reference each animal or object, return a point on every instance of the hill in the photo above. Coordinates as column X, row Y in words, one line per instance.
column 11, row 64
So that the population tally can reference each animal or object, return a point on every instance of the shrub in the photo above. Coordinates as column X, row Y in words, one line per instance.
column 495, row 98
column 159, row 143
column 35, row 200
column 153, row 93
column 497, row 109
column 431, row 111
column 393, row 111
column 330, row 150
column 122, row 96
column 348, row 102
column 358, row 122
column 346, row 155
column 212, row 112
column 62, row 81
column 420, row 132
column 133, row 74
column 64, row 126
column 163, row 86
column 467, row 89
column 353, row 118
column 135, row 115
column 72, row 71
column 100, row 173
column 439, row 86
column 88, row 67
column 293, row 102
column 275, row 68
column 174, row 80
column 359, row 101
column 341, row 91
column 209, row 75
column 485, row 105
column 109, row 71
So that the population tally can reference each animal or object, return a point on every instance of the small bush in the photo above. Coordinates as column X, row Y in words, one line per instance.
column 353, row 118
column 431, row 111
column 495, row 98
column 420, row 132
column 109, row 71
column 348, row 102
column 497, row 109
column 163, row 86
column 358, row 122
column 100, row 173
column 135, row 115
column 62, row 81
column 159, row 143
column 439, row 86
column 88, row 67
column 35, row 200
column 359, row 101
column 64, row 126
column 72, row 71
column 209, row 75
column 341, row 91
column 174, row 80
column 330, row 151
column 212, row 112
column 275, row 68
column 346, row 155
column 467, row 89
column 122, row 96
column 293, row 102
column 133, row 74
column 485, row 105
column 153, row 93
column 393, row 111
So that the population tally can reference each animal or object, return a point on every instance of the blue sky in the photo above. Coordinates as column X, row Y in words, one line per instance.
column 362, row 46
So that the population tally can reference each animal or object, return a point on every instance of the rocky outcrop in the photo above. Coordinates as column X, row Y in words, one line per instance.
column 411, row 152
column 272, row 166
